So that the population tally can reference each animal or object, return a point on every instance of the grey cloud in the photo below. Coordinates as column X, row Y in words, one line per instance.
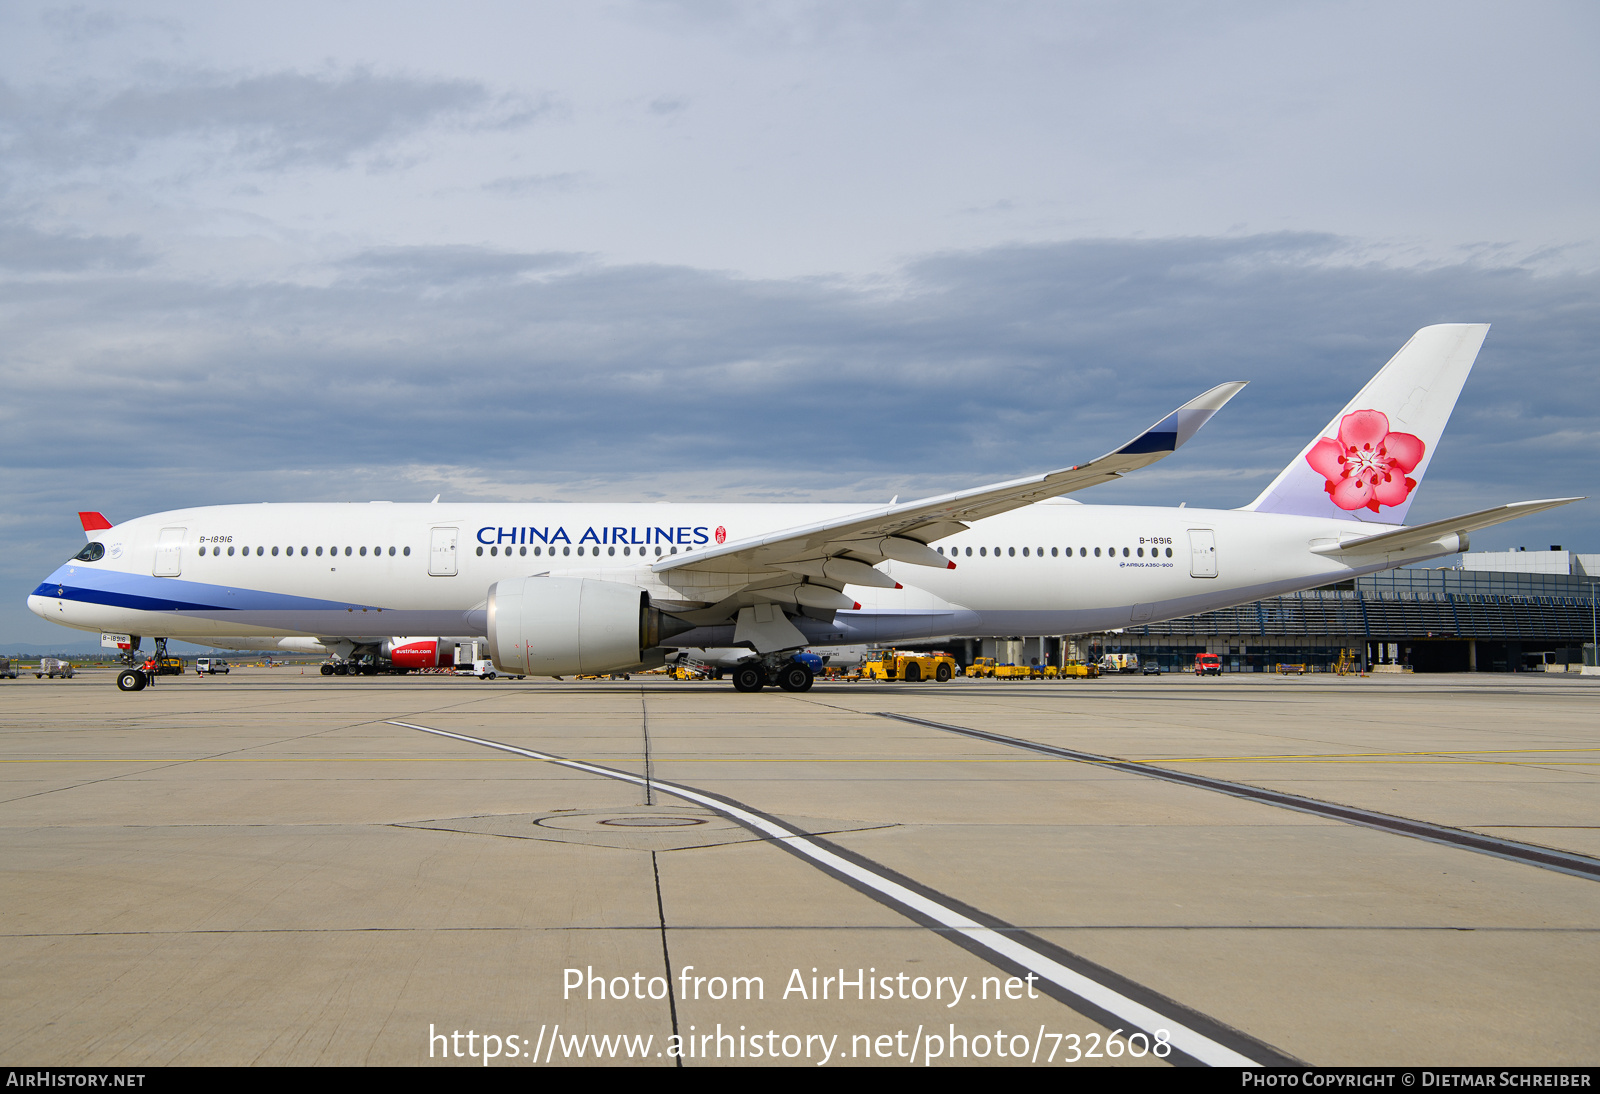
column 271, row 121
column 523, row 185
column 25, row 249
column 448, row 266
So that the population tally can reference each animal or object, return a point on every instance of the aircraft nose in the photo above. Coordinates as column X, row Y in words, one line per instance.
column 39, row 606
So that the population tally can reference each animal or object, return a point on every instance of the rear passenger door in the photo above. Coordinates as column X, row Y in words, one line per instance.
column 1202, row 552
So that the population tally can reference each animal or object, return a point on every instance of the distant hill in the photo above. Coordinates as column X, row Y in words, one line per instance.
column 92, row 648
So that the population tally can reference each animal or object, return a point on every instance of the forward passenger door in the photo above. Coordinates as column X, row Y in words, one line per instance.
column 169, row 553
column 442, row 552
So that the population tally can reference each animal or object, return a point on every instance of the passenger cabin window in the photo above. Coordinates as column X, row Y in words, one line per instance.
column 407, row 552
column 92, row 552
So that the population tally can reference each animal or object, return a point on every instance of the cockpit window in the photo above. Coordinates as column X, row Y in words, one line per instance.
column 94, row 552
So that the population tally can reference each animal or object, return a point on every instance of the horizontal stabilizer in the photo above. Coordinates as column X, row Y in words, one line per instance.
column 1420, row 535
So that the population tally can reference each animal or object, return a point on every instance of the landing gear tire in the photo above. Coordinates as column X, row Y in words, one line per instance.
column 794, row 677
column 341, row 670
column 748, row 678
column 327, row 670
column 131, row 680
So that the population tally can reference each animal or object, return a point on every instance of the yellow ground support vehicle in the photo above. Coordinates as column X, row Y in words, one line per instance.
column 1014, row 672
column 908, row 667
column 1080, row 670
column 981, row 667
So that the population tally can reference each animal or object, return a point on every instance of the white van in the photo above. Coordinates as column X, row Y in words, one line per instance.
column 204, row 665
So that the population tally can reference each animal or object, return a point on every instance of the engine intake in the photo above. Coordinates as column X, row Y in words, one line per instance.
column 561, row 626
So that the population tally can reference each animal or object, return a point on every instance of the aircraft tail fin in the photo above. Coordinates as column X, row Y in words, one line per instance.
column 92, row 523
column 1365, row 464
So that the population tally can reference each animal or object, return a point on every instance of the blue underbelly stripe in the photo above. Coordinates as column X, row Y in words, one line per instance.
column 143, row 594
column 123, row 600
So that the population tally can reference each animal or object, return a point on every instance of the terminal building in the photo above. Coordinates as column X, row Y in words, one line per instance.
column 1493, row 611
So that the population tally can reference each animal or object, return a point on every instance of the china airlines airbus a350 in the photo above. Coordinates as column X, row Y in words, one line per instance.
column 599, row 588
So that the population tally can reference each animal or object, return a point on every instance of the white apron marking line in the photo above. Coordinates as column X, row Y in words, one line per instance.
column 1186, row 1040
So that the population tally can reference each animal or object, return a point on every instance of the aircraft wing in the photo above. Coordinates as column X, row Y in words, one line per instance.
column 1420, row 535
column 836, row 552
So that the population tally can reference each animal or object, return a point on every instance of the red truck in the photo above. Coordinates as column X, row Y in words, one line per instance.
column 1208, row 664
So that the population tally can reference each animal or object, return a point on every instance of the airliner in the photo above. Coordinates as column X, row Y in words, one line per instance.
column 586, row 588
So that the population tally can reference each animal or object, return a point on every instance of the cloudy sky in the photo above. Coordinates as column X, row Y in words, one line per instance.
column 521, row 251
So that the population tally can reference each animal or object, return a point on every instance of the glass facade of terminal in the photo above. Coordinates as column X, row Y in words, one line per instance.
column 1420, row 620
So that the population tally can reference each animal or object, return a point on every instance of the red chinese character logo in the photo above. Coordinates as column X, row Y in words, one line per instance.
column 722, row 534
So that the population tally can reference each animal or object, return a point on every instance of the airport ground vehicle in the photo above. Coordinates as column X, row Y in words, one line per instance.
column 210, row 666
column 6, row 671
column 1150, row 667
column 1119, row 662
column 910, row 668
column 981, row 668
column 587, row 588
column 52, row 667
column 1208, row 664
column 170, row 666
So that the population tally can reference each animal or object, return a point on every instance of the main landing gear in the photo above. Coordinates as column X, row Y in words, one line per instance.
column 788, row 675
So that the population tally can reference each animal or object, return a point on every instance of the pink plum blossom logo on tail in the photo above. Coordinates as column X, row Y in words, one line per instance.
column 1367, row 467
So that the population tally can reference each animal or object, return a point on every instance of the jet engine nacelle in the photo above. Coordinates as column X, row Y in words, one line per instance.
column 561, row 626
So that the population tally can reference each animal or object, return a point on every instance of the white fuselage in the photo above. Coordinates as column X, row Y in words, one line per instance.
column 1053, row 568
